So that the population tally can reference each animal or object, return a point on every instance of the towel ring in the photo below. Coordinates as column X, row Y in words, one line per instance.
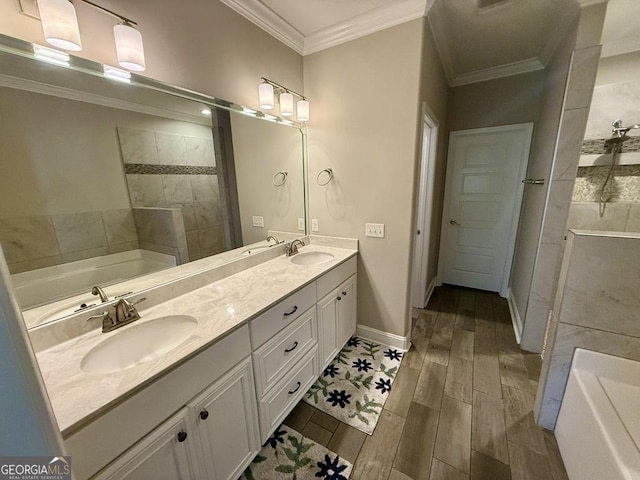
column 284, row 174
column 329, row 172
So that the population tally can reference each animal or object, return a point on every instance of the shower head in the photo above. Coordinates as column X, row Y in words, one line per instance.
column 619, row 131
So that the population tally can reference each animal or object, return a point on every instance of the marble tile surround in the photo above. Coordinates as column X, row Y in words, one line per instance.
column 36, row 242
column 597, row 307
column 180, row 174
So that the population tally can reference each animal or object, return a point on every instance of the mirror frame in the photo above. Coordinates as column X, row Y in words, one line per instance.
column 14, row 46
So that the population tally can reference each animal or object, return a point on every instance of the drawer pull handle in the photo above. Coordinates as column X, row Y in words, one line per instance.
column 295, row 389
column 339, row 298
column 294, row 310
column 289, row 350
column 204, row 415
column 182, row 436
column 344, row 294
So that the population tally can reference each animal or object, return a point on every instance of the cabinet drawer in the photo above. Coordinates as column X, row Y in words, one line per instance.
column 265, row 326
column 277, row 404
column 336, row 276
column 276, row 357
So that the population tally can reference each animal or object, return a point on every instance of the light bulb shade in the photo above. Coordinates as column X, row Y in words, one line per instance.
column 303, row 110
column 129, row 48
column 265, row 93
column 60, row 24
column 286, row 104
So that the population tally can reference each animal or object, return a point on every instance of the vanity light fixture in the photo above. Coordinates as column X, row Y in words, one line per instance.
column 266, row 92
column 60, row 27
column 117, row 74
column 50, row 55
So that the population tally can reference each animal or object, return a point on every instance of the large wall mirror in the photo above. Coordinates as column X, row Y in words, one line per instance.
column 104, row 181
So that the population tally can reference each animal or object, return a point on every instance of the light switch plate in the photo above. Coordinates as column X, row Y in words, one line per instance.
column 301, row 224
column 314, row 225
column 258, row 221
column 374, row 230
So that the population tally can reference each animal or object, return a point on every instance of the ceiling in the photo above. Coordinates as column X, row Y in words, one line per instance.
column 477, row 39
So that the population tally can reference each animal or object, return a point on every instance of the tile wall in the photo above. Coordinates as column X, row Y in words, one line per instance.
column 36, row 242
column 175, row 171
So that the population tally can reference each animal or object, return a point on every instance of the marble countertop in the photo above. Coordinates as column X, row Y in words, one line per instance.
column 220, row 307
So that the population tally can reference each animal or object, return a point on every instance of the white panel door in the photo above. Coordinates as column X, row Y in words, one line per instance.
column 483, row 195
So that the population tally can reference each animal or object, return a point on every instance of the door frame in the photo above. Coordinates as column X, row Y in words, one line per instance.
column 527, row 128
column 425, row 200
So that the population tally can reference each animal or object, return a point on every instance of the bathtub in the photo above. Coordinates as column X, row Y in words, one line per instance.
column 598, row 428
column 45, row 285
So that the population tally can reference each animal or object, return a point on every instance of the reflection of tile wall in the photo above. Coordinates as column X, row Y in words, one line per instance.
column 162, row 230
column 166, row 170
column 36, row 242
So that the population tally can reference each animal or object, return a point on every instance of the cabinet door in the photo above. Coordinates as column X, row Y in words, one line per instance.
column 326, row 313
column 346, row 314
column 226, row 422
column 167, row 453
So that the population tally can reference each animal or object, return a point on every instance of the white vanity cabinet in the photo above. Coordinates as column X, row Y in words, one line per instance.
column 336, row 310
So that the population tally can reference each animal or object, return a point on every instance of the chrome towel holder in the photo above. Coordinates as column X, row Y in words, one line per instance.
column 276, row 180
column 329, row 172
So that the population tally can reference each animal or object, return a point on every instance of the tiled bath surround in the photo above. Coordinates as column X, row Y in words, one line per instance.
column 42, row 241
column 175, row 171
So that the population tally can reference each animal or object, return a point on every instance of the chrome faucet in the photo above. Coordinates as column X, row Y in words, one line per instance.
column 292, row 248
column 98, row 291
column 125, row 313
column 271, row 237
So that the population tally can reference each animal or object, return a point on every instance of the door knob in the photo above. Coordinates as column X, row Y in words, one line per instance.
column 453, row 222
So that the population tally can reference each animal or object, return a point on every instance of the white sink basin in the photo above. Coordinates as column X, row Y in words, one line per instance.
column 311, row 258
column 138, row 344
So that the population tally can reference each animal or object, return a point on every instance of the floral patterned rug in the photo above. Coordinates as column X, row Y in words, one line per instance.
column 354, row 387
column 288, row 455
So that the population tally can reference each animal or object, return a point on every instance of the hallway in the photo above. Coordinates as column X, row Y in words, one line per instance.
column 461, row 405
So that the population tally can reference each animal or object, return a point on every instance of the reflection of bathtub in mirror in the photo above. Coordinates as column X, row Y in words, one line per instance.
column 69, row 281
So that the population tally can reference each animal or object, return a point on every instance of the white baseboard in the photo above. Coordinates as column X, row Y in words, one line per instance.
column 429, row 292
column 386, row 338
column 516, row 320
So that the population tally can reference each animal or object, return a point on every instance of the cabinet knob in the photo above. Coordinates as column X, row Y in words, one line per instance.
column 204, row 415
column 182, row 436
column 344, row 294
column 339, row 298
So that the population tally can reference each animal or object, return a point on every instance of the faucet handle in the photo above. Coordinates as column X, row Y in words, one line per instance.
column 140, row 300
column 107, row 321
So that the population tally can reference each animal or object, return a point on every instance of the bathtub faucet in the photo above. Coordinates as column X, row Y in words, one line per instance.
column 98, row 291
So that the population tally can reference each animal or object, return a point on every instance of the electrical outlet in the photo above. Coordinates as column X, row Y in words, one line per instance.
column 301, row 224
column 258, row 221
column 314, row 225
column 374, row 230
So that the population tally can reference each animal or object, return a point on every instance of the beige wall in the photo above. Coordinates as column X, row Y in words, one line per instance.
column 260, row 150
column 364, row 126
column 204, row 46
column 503, row 101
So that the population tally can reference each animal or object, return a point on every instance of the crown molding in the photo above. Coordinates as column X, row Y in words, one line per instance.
column 259, row 14
column 388, row 15
column 442, row 46
column 507, row 70
column 621, row 46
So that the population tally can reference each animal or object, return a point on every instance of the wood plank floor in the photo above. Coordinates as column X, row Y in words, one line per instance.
column 460, row 408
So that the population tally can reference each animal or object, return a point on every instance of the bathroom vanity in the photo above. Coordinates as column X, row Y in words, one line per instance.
column 204, row 408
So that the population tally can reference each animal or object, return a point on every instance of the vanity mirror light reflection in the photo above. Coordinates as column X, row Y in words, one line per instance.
column 104, row 182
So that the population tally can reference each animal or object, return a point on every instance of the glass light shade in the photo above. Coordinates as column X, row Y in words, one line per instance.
column 60, row 24
column 129, row 48
column 286, row 104
column 265, row 93
column 303, row 110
